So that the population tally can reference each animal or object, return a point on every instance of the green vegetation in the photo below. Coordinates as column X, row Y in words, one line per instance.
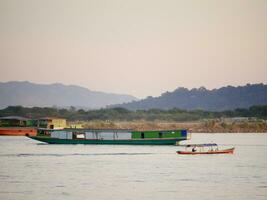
column 121, row 114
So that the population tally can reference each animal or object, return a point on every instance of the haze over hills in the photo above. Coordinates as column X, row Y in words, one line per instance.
column 59, row 95
column 225, row 98
column 41, row 95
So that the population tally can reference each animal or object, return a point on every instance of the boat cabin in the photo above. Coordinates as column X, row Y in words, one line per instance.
column 110, row 134
column 201, row 147
column 52, row 123
column 17, row 121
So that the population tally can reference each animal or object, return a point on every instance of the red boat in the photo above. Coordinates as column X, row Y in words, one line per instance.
column 18, row 131
column 205, row 149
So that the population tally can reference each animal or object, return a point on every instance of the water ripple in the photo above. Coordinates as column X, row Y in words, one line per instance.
column 73, row 154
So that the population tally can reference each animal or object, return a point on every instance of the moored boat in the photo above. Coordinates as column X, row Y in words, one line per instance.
column 111, row 136
column 205, row 149
column 17, row 126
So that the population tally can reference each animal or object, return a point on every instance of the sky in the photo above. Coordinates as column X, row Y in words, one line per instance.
column 140, row 47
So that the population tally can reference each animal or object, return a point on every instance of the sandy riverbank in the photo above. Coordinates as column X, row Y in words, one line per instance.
column 212, row 126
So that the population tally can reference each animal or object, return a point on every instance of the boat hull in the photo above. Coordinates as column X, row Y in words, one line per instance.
column 49, row 140
column 226, row 151
column 18, row 131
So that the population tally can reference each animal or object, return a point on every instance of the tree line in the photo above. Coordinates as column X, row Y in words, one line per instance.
column 122, row 114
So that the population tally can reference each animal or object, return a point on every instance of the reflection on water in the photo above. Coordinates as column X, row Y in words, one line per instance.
column 29, row 170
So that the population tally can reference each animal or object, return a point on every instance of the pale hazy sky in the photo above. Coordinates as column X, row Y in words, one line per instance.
column 138, row 47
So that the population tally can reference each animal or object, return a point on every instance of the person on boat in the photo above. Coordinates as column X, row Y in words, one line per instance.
column 194, row 149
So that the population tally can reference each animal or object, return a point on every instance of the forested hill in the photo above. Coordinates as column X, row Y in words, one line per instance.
column 225, row 98
column 59, row 95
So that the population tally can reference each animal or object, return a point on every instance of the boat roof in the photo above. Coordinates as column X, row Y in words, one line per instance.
column 15, row 118
column 200, row 145
column 50, row 118
column 86, row 129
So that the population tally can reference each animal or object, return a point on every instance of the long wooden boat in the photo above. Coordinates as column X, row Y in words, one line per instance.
column 210, row 148
column 111, row 136
column 225, row 151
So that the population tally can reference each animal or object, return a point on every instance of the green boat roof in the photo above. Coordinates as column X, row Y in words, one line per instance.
column 102, row 130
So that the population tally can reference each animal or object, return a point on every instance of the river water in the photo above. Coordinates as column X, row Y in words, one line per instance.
column 32, row 170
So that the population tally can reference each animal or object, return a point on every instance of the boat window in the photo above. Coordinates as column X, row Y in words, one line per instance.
column 78, row 135
column 142, row 135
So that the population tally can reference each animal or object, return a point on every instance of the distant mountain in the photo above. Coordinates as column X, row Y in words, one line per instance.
column 225, row 98
column 30, row 94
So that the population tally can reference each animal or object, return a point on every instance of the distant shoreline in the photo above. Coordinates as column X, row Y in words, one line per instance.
column 212, row 126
